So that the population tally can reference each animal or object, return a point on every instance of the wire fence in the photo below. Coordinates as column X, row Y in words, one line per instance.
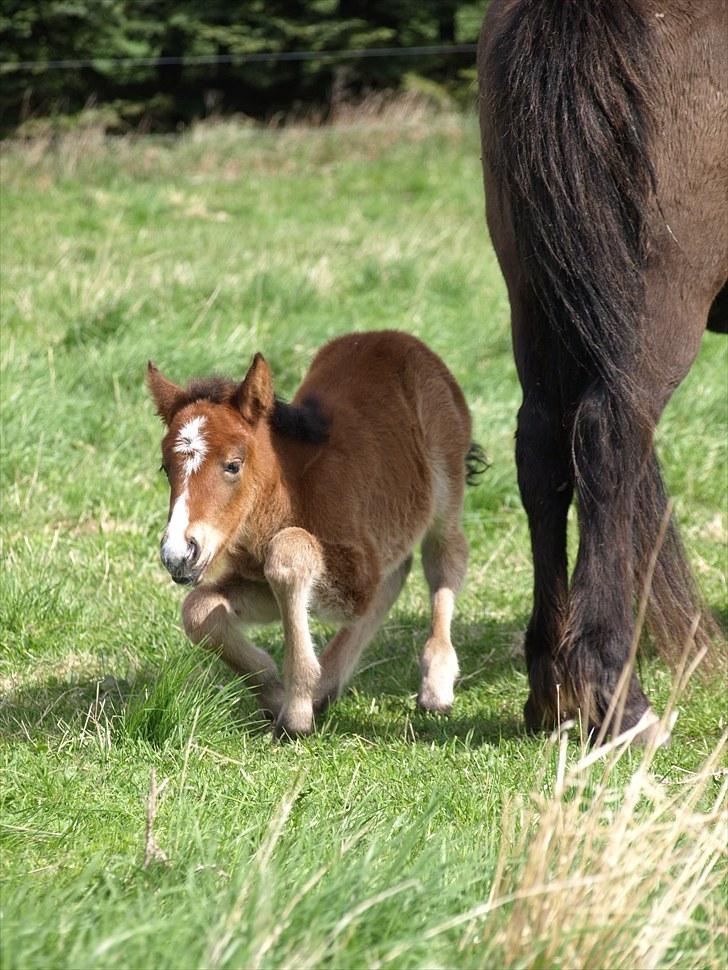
column 254, row 57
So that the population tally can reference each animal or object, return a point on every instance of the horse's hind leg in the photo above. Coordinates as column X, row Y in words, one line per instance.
column 611, row 447
column 546, row 486
column 444, row 560
column 718, row 315
column 341, row 656
column 214, row 616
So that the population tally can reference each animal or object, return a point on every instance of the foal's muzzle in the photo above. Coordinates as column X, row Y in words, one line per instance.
column 183, row 570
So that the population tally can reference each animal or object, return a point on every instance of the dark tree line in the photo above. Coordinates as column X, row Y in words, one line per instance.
column 166, row 95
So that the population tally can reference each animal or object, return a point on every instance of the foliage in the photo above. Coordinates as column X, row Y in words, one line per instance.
column 389, row 838
column 165, row 95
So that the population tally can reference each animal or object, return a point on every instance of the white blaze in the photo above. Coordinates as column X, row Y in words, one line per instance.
column 192, row 444
column 174, row 545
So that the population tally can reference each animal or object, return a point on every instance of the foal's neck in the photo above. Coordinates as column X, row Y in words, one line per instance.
column 273, row 506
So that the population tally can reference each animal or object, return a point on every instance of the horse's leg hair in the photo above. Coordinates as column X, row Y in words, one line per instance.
column 546, row 485
column 444, row 560
column 342, row 653
column 293, row 565
column 214, row 616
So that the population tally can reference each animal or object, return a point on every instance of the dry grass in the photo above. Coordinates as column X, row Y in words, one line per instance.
column 596, row 870
column 613, row 876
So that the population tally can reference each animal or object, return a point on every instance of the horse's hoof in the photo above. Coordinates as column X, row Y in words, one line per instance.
column 534, row 717
column 324, row 703
column 649, row 731
column 637, row 730
column 282, row 733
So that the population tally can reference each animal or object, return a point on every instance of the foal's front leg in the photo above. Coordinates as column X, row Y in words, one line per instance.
column 293, row 565
column 215, row 616
column 341, row 655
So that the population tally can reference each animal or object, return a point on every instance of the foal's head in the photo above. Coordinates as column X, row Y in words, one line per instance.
column 211, row 458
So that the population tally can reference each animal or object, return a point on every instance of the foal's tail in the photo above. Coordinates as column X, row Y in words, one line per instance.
column 476, row 464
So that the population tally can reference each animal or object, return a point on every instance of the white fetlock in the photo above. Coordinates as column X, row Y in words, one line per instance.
column 650, row 729
column 439, row 670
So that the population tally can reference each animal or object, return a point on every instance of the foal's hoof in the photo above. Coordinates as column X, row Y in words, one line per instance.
column 428, row 700
column 294, row 724
column 270, row 701
column 439, row 669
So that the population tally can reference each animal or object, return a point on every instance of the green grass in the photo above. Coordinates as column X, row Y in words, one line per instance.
column 356, row 845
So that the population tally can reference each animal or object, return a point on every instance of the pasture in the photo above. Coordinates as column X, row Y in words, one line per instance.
column 390, row 837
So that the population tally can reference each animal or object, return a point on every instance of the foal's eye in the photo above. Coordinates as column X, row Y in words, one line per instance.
column 165, row 469
column 232, row 467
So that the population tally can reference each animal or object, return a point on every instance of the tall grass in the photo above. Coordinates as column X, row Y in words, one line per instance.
column 184, row 697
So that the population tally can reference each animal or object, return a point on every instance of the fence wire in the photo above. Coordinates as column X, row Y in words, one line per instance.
column 255, row 57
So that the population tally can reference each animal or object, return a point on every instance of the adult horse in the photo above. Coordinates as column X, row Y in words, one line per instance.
column 605, row 154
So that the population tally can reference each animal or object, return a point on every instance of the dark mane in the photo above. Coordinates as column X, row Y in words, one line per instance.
column 302, row 422
column 216, row 390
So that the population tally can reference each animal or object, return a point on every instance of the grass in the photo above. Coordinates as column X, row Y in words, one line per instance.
column 389, row 838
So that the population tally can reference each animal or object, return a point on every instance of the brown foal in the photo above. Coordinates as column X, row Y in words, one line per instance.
column 280, row 510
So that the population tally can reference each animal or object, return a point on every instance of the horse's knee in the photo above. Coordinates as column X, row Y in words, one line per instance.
column 203, row 613
column 294, row 558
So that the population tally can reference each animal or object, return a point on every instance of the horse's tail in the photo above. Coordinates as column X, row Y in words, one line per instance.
column 565, row 87
column 565, row 83
column 676, row 615
column 476, row 463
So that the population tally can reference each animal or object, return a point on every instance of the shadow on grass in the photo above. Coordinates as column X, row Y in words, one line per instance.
column 388, row 679
column 473, row 730
column 379, row 704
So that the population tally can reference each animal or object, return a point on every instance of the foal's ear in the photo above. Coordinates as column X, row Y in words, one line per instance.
column 253, row 397
column 166, row 395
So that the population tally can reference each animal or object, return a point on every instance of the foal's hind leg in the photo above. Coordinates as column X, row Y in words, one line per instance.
column 444, row 560
column 341, row 656
column 215, row 616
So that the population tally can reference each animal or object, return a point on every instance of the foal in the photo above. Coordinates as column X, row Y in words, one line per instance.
column 278, row 510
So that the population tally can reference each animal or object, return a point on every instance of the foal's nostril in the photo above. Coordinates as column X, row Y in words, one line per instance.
column 193, row 551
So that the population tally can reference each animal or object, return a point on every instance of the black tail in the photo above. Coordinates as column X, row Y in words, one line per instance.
column 566, row 90
column 674, row 599
column 476, row 463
